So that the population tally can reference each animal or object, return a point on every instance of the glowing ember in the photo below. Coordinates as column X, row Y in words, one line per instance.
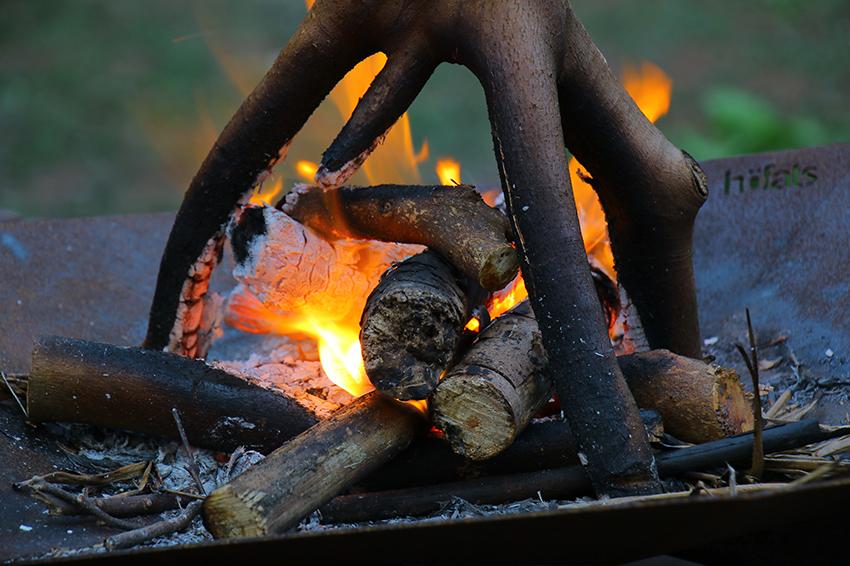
column 306, row 169
column 448, row 170
column 263, row 197
column 651, row 90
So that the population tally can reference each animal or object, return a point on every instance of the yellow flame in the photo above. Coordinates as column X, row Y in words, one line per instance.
column 341, row 356
column 473, row 325
column 267, row 196
column 448, row 170
column 651, row 89
column 306, row 169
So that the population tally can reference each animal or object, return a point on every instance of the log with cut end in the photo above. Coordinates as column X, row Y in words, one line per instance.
column 499, row 384
column 413, row 323
column 135, row 389
column 489, row 396
column 453, row 221
column 310, row 469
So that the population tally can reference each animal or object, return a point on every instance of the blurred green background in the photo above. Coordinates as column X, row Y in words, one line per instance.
column 109, row 106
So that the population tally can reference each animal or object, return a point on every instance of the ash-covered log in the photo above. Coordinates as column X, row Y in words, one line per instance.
column 454, row 221
column 560, row 483
column 310, row 469
column 490, row 395
column 135, row 389
column 413, row 324
column 544, row 444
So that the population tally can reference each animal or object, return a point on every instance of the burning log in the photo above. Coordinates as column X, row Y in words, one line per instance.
column 545, row 444
column 135, row 389
column 413, row 323
column 560, row 483
column 490, row 395
column 453, row 221
column 547, row 86
column 309, row 470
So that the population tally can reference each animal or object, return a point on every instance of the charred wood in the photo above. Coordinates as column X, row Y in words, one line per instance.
column 413, row 324
column 490, row 395
column 453, row 221
column 136, row 389
column 561, row 483
column 543, row 445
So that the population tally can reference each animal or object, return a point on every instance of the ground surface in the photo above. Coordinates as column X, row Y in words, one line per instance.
column 110, row 106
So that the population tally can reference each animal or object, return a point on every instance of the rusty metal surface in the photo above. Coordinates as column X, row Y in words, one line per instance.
column 25, row 529
column 89, row 278
column 599, row 535
column 773, row 237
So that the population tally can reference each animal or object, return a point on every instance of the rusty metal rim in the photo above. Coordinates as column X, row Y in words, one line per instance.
column 617, row 532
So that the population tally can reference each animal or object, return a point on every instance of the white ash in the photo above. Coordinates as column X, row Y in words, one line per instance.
column 456, row 508
column 92, row 449
column 304, row 381
column 291, row 270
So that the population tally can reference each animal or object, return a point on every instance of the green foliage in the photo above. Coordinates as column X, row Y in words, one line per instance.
column 737, row 121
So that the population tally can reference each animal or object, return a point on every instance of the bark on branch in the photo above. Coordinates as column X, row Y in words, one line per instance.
column 453, row 221
column 309, row 470
column 135, row 389
column 490, row 395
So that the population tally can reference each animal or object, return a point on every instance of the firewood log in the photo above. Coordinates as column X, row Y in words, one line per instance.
column 544, row 444
column 560, row 483
column 413, row 323
column 453, row 221
column 310, row 469
column 135, row 389
column 489, row 396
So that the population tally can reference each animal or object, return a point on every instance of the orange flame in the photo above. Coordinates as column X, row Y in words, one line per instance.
column 651, row 90
column 263, row 197
column 306, row 169
column 448, row 170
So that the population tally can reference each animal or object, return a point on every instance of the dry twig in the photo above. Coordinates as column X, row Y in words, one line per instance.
column 142, row 534
column 752, row 362
column 38, row 486
column 15, row 395
column 193, row 463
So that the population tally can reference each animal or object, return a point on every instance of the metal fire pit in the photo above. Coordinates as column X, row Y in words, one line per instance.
column 772, row 237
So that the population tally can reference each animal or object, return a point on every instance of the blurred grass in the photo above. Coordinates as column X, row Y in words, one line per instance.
column 110, row 105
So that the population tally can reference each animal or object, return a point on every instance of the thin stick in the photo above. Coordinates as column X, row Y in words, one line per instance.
column 752, row 362
column 38, row 485
column 15, row 395
column 193, row 464
column 142, row 534
column 773, row 411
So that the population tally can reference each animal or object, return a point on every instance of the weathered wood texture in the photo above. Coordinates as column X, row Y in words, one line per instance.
column 544, row 444
column 560, row 483
column 135, row 389
column 546, row 86
column 310, row 469
column 490, row 395
column 454, row 221
column 413, row 323
column 487, row 399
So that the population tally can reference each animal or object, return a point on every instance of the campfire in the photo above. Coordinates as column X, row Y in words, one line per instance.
column 425, row 345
